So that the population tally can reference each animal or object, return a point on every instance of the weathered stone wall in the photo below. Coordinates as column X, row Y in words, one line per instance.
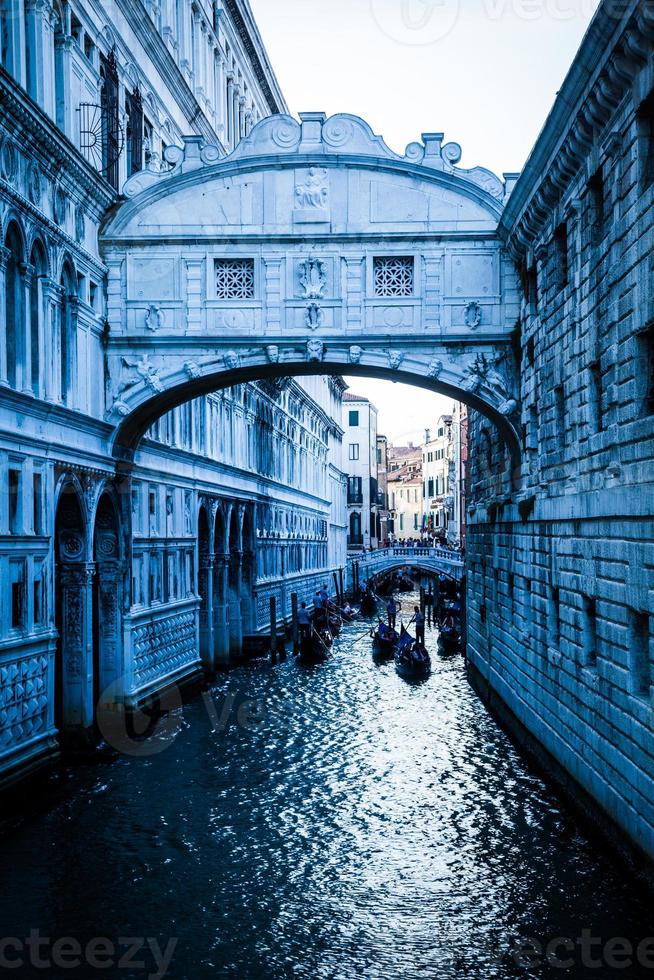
column 562, row 575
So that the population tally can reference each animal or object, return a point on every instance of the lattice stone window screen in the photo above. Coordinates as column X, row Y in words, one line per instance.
column 393, row 275
column 234, row 278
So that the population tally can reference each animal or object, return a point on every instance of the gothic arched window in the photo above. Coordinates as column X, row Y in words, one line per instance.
column 39, row 271
column 67, row 339
column 14, row 305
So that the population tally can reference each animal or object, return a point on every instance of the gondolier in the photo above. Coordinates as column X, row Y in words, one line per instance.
column 303, row 621
column 419, row 620
column 392, row 609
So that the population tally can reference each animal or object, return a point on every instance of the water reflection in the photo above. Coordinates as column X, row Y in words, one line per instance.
column 352, row 825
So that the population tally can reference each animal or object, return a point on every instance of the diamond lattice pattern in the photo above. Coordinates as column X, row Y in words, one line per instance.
column 394, row 276
column 235, row 278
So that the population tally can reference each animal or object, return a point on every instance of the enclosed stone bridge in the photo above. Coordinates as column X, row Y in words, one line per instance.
column 312, row 249
column 431, row 561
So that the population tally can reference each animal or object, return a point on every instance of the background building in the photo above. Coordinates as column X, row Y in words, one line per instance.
column 364, row 502
column 437, row 476
column 385, row 523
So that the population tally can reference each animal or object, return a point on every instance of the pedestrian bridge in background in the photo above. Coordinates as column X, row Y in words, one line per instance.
column 429, row 560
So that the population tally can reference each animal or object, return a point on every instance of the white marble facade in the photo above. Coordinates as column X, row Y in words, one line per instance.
column 111, row 579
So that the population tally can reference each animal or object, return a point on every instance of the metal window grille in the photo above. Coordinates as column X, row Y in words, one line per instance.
column 234, row 278
column 393, row 276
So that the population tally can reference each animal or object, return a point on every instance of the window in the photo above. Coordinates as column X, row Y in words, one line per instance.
column 379, row 457
column 355, row 490
column 89, row 48
column 353, row 418
column 393, row 276
column 18, row 604
column 354, row 450
column 640, row 660
column 597, row 209
column 14, row 483
column 554, row 617
column 559, row 416
column 401, row 522
column 532, row 288
column 111, row 133
column 589, row 631
column 37, row 500
column 644, row 371
column 134, row 135
column 430, row 487
column 645, row 122
column 234, row 278
column 441, row 431
column 94, row 295
column 38, row 593
column 561, row 255
column 596, row 418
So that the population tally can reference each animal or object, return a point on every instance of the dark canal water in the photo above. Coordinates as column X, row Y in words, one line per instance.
column 355, row 826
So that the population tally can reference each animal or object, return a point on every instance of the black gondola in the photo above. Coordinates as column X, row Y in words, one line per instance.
column 384, row 641
column 450, row 638
column 315, row 646
column 368, row 603
column 412, row 662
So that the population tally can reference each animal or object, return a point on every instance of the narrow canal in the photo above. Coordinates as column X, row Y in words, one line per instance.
column 351, row 826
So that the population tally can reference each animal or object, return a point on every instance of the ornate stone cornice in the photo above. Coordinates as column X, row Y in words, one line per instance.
column 251, row 41
column 602, row 74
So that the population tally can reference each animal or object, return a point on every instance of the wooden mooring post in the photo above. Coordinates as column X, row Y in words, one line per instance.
column 273, row 629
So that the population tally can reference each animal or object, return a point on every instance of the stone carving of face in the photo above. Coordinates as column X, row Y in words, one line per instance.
column 272, row 353
column 355, row 354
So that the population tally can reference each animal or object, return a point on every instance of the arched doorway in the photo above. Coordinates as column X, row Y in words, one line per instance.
column 73, row 618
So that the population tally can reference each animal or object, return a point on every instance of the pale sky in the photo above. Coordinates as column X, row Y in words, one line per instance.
column 483, row 72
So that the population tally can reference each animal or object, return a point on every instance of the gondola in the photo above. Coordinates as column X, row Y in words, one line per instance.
column 411, row 661
column 349, row 613
column 315, row 646
column 450, row 638
column 368, row 604
column 384, row 641
column 405, row 585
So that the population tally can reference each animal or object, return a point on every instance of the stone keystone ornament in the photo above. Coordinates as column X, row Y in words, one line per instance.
column 472, row 316
column 314, row 316
column 313, row 279
column 315, row 350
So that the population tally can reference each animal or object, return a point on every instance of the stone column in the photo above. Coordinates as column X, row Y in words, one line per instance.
column 50, row 342
column 234, row 600
column 110, row 587
column 76, row 640
column 64, row 108
column 206, row 591
column 38, row 42
column 221, row 609
column 24, row 369
column 247, row 595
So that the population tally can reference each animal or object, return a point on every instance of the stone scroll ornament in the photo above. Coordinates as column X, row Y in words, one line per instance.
column 313, row 278
column 481, row 372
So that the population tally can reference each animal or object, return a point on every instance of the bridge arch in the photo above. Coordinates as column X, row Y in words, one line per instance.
column 312, row 249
